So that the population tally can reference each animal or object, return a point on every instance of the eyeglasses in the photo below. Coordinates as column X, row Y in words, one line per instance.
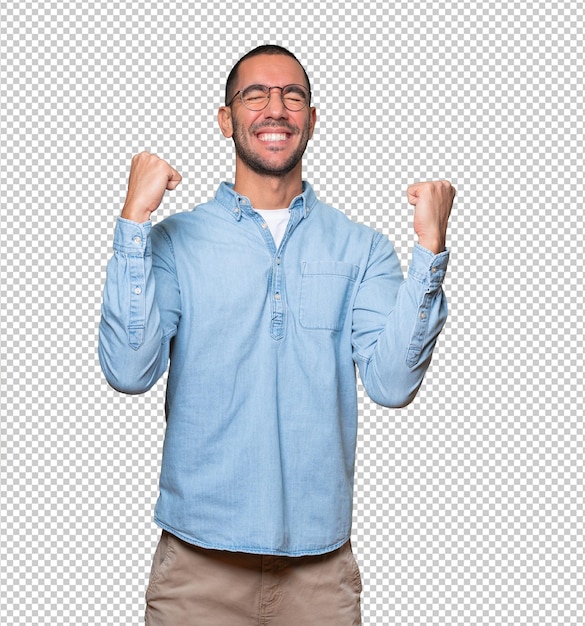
column 257, row 97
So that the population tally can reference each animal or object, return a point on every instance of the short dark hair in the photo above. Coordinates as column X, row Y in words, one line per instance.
column 269, row 49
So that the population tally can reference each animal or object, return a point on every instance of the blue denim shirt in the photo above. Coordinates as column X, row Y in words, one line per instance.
column 261, row 400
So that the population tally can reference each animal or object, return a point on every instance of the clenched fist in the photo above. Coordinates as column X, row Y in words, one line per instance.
column 432, row 201
column 149, row 177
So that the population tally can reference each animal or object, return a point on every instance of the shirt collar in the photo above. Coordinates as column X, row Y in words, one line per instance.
column 236, row 204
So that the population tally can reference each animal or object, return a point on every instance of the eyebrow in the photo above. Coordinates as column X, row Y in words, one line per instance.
column 297, row 88
column 292, row 86
column 254, row 86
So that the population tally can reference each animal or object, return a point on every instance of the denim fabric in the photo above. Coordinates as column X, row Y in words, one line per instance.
column 261, row 401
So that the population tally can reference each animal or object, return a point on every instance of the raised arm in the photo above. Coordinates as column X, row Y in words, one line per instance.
column 396, row 322
column 141, row 299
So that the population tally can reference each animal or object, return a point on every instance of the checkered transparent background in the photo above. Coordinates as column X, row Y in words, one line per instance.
column 469, row 503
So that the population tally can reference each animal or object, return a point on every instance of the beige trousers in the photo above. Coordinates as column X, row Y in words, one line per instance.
column 191, row 586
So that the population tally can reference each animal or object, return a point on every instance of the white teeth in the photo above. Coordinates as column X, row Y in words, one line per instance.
column 272, row 137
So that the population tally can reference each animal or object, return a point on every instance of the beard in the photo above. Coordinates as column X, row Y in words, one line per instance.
column 264, row 166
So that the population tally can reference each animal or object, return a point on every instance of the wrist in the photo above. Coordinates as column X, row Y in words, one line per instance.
column 135, row 215
column 434, row 245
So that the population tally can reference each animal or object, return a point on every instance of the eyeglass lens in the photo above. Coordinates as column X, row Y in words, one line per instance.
column 294, row 97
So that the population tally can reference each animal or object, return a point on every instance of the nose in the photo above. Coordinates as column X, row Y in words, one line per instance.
column 275, row 106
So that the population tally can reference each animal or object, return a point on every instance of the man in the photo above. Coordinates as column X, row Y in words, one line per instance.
column 264, row 300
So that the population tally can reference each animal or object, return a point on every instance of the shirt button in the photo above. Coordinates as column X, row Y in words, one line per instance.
column 137, row 240
column 278, row 261
column 277, row 296
column 423, row 315
column 137, row 291
column 434, row 270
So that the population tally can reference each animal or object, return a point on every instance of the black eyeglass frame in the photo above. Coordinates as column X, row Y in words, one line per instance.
column 269, row 93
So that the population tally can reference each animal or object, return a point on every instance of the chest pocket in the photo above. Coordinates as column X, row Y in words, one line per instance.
column 325, row 292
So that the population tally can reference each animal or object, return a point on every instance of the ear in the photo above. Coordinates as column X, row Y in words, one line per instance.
column 313, row 121
column 224, row 117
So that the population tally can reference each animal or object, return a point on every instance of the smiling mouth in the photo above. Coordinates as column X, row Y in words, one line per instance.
column 272, row 136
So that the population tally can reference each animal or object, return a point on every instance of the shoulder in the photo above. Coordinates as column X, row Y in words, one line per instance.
column 178, row 222
column 335, row 218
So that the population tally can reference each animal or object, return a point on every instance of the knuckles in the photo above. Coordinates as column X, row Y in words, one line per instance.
column 145, row 157
column 432, row 188
column 147, row 162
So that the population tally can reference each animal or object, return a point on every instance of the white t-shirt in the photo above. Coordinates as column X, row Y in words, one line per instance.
column 277, row 221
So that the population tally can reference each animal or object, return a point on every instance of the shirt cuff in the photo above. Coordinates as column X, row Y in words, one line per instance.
column 426, row 267
column 132, row 238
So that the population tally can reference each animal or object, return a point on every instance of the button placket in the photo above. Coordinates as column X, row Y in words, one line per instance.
column 277, row 321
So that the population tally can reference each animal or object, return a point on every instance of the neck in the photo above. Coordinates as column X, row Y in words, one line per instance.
column 268, row 192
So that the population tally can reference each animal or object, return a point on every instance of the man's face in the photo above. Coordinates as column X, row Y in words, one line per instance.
column 270, row 142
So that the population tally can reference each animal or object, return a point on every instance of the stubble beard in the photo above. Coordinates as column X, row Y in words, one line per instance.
column 264, row 167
